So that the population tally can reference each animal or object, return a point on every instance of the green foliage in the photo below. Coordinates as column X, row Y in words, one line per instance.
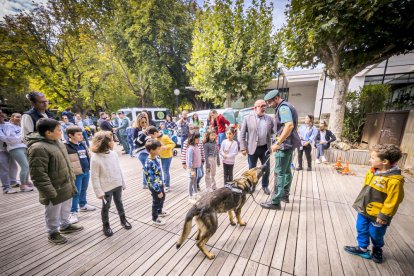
column 347, row 36
column 153, row 38
column 59, row 52
column 371, row 98
column 234, row 52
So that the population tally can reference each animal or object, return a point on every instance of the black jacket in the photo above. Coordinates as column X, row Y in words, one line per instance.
column 329, row 137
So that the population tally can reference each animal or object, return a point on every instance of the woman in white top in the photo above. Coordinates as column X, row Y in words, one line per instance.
column 18, row 150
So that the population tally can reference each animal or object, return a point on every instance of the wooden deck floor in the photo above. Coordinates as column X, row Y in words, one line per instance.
column 305, row 238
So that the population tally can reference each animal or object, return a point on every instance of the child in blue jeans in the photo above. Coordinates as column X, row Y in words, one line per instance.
column 80, row 159
column 155, row 181
column 378, row 201
column 194, row 165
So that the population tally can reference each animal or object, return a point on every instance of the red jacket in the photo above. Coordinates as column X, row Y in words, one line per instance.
column 221, row 123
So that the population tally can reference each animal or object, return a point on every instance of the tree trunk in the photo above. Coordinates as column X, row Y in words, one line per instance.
column 227, row 103
column 336, row 119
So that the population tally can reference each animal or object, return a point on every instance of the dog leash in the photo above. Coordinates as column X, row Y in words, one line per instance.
column 292, row 167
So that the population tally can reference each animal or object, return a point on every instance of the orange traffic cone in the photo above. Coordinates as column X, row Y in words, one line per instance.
column 338, row 164
column 346, row 170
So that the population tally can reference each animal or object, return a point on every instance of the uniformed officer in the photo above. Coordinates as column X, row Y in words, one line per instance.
column 287, row 140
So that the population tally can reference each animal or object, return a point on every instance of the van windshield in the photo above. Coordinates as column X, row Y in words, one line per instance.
column 128, row 114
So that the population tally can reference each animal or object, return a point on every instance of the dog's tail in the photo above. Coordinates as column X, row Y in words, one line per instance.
column 187, row 225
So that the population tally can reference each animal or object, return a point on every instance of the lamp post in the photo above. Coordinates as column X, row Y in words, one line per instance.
column 176, row 93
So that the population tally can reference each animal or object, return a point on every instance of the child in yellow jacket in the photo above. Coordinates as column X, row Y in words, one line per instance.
column 166, row 153
column 378, row 201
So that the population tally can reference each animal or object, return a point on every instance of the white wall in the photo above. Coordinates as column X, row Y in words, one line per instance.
column 303, row 98
column 327, row 95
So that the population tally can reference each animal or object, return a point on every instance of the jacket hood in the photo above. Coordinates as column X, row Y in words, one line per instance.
column 35, row 137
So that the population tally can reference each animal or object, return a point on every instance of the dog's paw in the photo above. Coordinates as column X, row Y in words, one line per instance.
column 210, row 256
column 232, row 223
column 242, row 223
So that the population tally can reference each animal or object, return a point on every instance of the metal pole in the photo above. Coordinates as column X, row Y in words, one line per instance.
column 385, row 71
column 176, row 103
column 323, row 95
column 278, row 75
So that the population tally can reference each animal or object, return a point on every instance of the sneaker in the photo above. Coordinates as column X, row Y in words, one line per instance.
column 145, row 187
column 9, row 191
column 323, row 159
column 158, row 222
column 356, row 250
column 25, row 188
column 30, row 184
column 87, row 208
column 57, row 238
column 299, row 168
column 167, row 189
column 317, row 161
column 72, row 228
column 163, row 214
column 73, row 217
column 376, row 255
column 198, row 188
column 15, row 185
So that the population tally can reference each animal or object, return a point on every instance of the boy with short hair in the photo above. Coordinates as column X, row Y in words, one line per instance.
column 378, row 201
column 166, row 154
column 51, row 173
column 80, row 159
column 153, row 173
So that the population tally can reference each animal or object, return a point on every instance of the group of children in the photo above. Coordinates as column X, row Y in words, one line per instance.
column 60, row 174
column 194, row 162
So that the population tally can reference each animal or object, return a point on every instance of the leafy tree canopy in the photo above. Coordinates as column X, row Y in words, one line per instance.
column 234, row 51
column 347, row 36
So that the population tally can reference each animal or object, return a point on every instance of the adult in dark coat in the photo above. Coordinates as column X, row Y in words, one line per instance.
column 323, row 141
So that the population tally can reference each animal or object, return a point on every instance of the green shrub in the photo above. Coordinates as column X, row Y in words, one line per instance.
column 371, row 98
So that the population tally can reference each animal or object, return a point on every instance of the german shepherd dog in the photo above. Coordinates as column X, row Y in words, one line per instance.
column 230, row 198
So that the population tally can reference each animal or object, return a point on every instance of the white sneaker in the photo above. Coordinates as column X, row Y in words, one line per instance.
column 317, row 161
column 163, row 214
column 167, row 189
column 87, row 208
column 323, row 159
column 25, row 188
column 158, row 222
column 9, row 191
column 73, row 217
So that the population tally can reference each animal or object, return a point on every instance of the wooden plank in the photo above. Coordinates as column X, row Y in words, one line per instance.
column 228, row 265
column 306, row 237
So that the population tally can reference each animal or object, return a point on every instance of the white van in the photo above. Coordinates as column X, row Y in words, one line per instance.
column 158, row 114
